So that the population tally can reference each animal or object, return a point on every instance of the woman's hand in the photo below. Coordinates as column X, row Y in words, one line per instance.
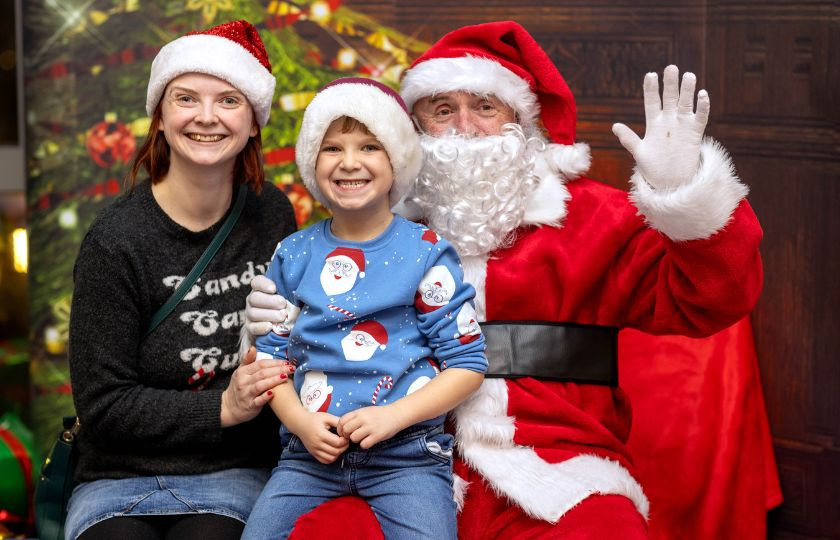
column 250, row 387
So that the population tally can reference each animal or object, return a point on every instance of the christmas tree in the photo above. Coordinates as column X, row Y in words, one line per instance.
column 87, row 67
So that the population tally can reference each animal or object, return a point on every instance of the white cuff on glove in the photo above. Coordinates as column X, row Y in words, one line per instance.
column 696, row 210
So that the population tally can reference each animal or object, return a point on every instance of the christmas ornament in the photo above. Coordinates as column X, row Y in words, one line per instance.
column 110, row 142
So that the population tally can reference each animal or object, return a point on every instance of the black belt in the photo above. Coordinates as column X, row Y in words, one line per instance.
column 558, row 351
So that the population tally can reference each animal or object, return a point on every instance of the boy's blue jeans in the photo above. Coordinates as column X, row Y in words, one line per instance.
column 407, row 481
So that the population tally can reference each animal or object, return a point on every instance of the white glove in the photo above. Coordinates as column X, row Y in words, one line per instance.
column 264, row 307
column 669, row 155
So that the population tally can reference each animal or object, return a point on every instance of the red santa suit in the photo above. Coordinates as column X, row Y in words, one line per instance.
column 540, row 457
column 681, row 261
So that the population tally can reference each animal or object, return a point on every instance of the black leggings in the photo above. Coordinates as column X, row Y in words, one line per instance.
column 178, row 526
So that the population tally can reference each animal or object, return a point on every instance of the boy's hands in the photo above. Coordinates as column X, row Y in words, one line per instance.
column 313, row 429
column 370, row 425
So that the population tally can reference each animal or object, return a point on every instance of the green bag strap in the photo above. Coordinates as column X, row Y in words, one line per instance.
column 202, row 263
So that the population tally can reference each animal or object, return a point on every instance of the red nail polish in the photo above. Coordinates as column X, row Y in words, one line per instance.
column 270, row 393
column 282, row 375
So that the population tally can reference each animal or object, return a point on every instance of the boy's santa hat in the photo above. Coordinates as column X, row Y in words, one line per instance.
column 383, row 113
column 232, row 52
column 500, row 59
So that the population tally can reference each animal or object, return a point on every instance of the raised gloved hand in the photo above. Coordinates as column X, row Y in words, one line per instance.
column 669, row 155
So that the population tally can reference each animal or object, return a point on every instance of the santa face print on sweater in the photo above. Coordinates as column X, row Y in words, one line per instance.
column 341, row 269
column 468, row 329
column 363, row 340
column 435, row 289
column 316, row 394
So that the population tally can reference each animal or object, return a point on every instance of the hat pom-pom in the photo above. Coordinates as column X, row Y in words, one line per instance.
column 571, row 160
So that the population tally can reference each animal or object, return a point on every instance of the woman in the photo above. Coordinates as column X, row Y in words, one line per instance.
column 173, row 443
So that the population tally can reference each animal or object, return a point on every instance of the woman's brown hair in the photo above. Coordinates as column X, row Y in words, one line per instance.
column 153, row 156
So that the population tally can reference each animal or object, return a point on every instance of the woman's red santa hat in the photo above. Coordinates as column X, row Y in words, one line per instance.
column 232, row 52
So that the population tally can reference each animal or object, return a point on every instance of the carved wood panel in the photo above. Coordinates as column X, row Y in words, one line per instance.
column 771, row 69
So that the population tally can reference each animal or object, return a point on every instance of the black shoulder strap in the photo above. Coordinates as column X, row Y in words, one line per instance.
column 202, row 263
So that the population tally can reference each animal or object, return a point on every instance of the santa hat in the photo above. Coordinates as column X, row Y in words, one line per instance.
column 380, row 109
column 354, row 254
column 232, row 52
column 376, row 331
column 500, row 59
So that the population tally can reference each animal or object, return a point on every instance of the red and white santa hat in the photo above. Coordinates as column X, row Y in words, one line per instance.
column 232, row 52
column 500, row 59
column 354, row 254
column 380, row 109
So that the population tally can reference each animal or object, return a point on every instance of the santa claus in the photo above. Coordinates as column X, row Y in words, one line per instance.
column 560, row 262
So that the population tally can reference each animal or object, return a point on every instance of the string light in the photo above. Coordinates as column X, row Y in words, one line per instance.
column 20, row 251
column 346, row 58
column 319, row 11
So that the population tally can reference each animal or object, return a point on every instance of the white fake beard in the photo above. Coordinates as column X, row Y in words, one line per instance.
column 473, row 191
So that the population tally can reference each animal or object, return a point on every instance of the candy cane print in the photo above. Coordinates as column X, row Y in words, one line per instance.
column 348, row 314
column 385, row 381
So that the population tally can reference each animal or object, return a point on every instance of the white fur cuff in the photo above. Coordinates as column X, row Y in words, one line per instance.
column 698, row 209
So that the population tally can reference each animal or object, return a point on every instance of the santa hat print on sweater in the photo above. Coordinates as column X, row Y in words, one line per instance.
column 342, row 266
column 364, row 340
column 383, row 113
column 232, row 52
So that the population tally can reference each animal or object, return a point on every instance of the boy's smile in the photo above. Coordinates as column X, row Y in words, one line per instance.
column 354, row 173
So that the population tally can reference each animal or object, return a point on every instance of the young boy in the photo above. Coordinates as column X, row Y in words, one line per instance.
column 382, row 331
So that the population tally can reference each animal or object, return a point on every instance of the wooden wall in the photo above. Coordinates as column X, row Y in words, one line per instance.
column 772, row 69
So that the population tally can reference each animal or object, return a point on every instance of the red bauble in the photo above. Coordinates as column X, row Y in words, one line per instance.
column 109, row 143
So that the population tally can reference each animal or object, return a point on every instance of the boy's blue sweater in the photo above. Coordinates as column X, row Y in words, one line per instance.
column 377, row 319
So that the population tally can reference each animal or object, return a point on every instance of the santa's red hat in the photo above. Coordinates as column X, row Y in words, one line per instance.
column 232, row 52
column 354, row 254
column 501, row 59
column 376, row 331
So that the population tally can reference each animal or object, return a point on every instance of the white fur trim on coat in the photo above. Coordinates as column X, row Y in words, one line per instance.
column 216, row 56
column 543, row 490
column 473, row 74
column 698, row 209
column 459, row 489
column 380, row 113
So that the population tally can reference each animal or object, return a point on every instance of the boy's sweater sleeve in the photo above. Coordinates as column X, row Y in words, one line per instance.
column 451, row 328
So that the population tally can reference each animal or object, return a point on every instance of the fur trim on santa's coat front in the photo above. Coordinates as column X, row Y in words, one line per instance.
column 543, row 490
